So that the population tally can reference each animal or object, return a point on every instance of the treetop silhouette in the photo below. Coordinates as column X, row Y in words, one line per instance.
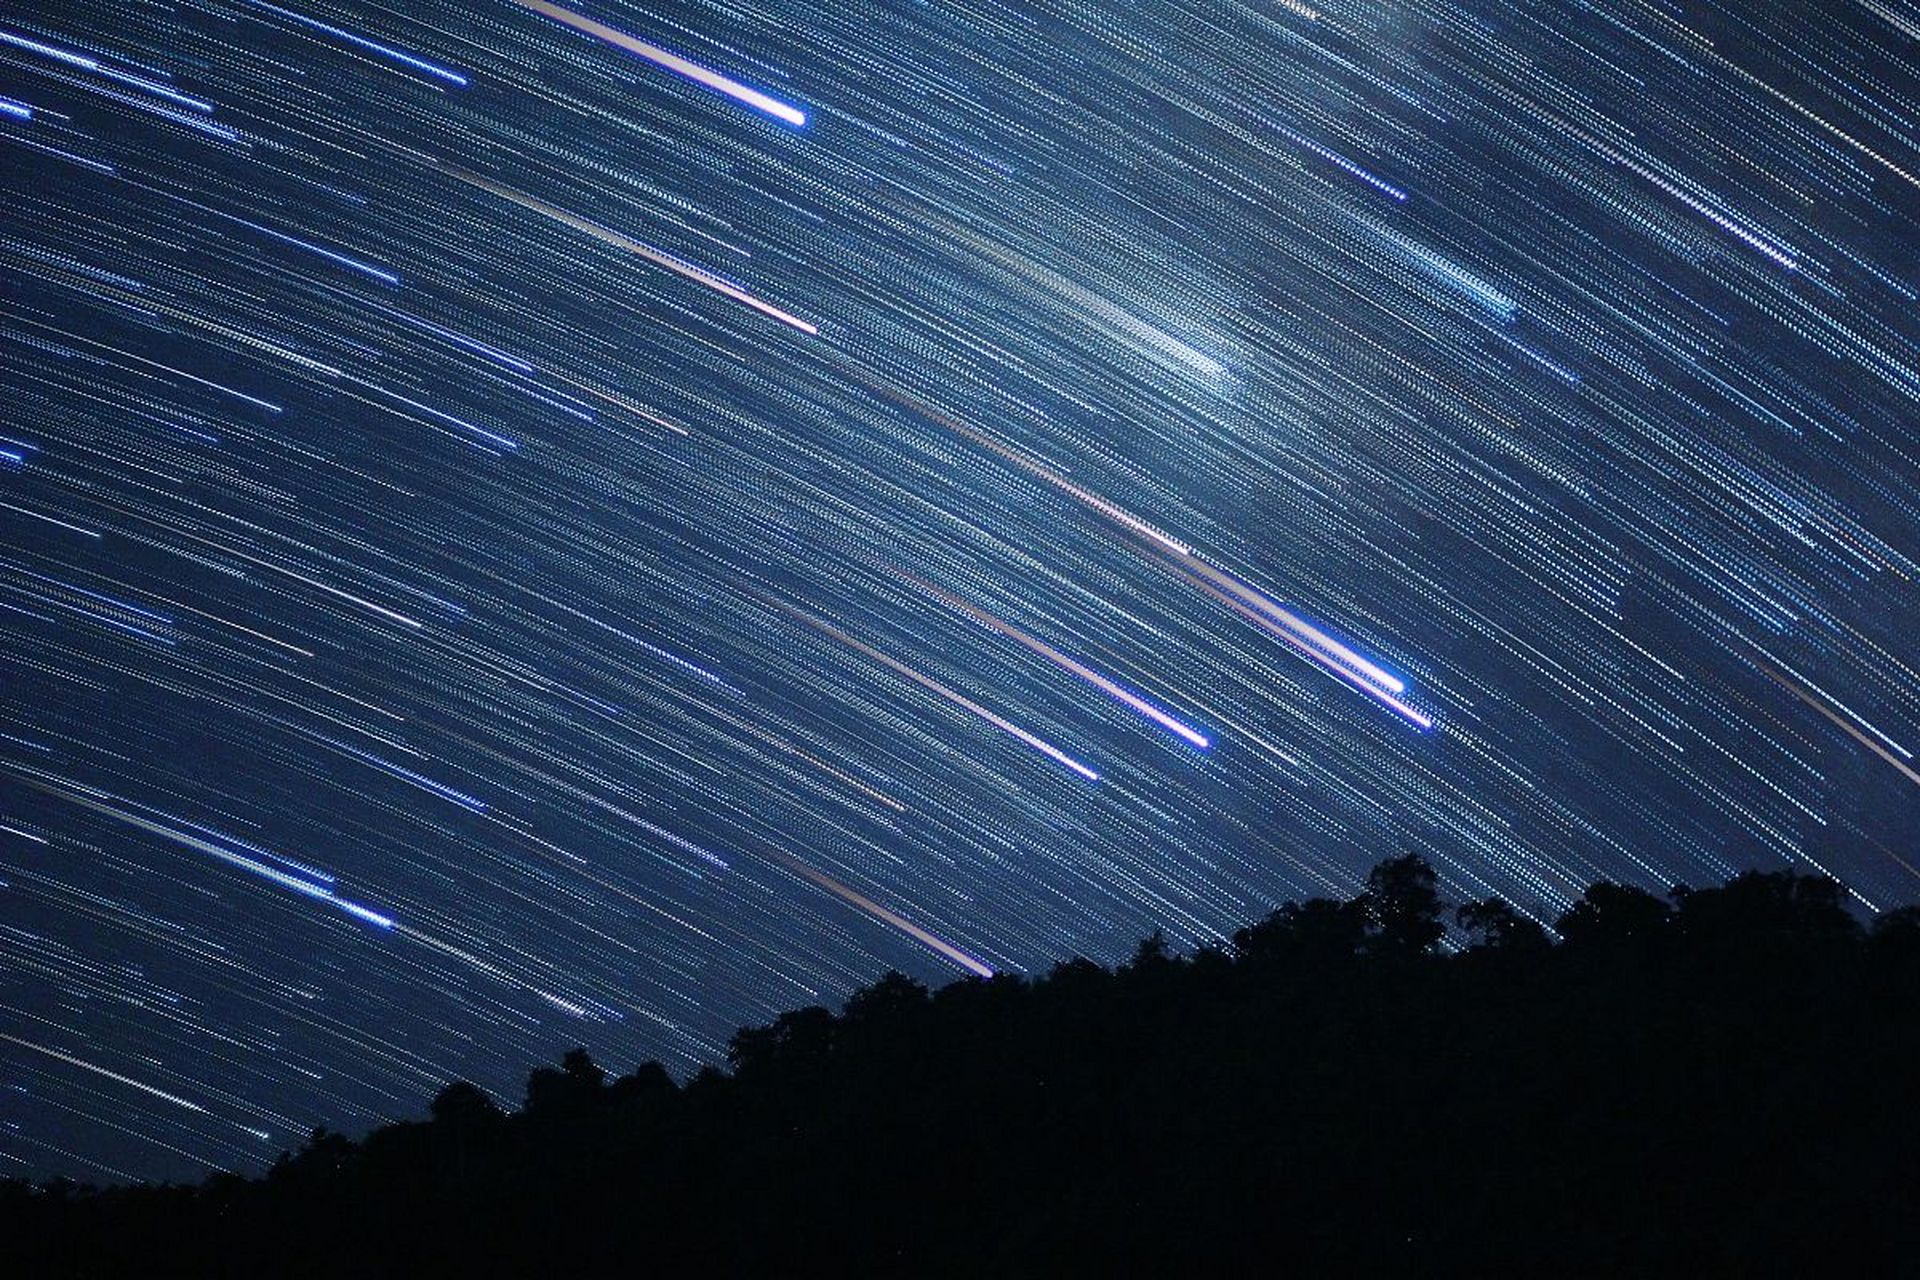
column 1718, row 1084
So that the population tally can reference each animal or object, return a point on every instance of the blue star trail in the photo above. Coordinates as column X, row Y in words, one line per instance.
column 524, row 525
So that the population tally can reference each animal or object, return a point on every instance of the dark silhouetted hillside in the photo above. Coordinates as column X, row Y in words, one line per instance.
column 1723, row 1084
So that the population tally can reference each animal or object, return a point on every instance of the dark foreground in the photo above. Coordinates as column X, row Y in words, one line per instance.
column 1727, row 1086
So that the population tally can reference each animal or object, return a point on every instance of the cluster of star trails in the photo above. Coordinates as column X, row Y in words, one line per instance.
column 526, row 525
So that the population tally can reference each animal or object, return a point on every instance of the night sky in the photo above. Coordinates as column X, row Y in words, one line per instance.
column 523, row 527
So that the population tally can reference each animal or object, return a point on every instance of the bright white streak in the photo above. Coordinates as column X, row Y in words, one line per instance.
column 1061, row 660
column 619, row 241
column 1060, row 482
column 1369, row 671
column 1391, row 701
column 91, row 533
column 880, row 913
column 1006, row 726
column 672, row 62
column 1364, row 675
column 1854, row 715
column 1906, row 769
column 250, row 865
column 98, row 1070
column 492, row 970
column 350, row 598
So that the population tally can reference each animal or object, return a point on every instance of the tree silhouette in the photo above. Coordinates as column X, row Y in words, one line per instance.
column 463, row 1104
column 1317, row 930
column 1500, row 928
column 1153, row 954
column 1717, row 1087
column 894, row 996
column 1402, row 906
column 1766, row 908
column 326, row 1157
column 645, row 1083
column 569, row 1091
column 803, row 1035
column 1895, row 942
column 1613, row 914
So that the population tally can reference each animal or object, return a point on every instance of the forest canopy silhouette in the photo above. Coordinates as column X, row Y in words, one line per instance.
column 1720, row 1082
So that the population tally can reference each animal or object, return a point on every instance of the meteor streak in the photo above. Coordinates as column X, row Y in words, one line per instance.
column 672, row 62
column 252, row 866
column 1061, row 660
column 882, row 914
column 1354, row 668
column 84, row 1065
column 1797, row 690
column 659, row 258
column 934, row 686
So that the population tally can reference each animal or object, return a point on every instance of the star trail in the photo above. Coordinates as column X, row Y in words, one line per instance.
column 525, row 526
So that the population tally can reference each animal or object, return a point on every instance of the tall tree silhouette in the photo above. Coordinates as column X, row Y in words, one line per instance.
column 1402, row 906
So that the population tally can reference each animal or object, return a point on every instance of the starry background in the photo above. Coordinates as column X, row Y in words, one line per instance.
column 522, row 527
